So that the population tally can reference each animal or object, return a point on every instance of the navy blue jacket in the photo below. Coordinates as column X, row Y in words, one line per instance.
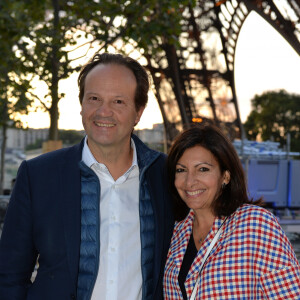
column 43, row 220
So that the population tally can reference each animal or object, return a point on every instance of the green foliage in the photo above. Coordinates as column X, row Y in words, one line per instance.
column 154, row 23
column 14, row 83
column 71, row 137
column 68, row 137
column 274, row 115
column 150, row 24
column 36, row 145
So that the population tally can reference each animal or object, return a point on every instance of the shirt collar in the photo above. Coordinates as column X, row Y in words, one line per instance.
column 89, row 159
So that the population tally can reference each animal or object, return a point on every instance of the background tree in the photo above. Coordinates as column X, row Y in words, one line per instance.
column 274, row 114
column 14, row 84
column 52, row 27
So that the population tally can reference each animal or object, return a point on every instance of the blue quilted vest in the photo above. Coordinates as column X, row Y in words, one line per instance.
column 90, row 225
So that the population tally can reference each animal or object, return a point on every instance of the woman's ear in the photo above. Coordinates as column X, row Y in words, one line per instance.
column 226, row 177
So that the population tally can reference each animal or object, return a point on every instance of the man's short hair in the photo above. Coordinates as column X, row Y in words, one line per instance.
column 141, row 76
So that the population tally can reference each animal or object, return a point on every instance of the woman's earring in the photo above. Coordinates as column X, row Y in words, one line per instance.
column 223, row 185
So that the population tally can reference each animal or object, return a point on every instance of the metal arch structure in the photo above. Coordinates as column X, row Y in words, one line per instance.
column 196, row 80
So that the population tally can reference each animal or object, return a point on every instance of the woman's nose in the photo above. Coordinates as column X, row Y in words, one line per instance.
column 190, row 178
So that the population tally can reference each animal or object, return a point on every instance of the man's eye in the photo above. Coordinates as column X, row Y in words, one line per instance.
column 118, row 101
column 93, row 98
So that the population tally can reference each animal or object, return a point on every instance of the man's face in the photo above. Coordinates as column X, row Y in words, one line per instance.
column 108, row 107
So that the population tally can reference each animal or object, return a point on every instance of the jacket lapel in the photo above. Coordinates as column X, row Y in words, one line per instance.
column 227, row 228
column 181, row 239
column 71, row 197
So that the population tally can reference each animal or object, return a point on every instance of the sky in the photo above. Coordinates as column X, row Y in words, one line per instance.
column 263, row 61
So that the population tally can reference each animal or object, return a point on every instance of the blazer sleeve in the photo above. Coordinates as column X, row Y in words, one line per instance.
column 17, row 252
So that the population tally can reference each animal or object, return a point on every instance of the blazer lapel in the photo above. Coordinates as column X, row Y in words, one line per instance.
column 71, row 197
column 181, row 239
column 227, row 228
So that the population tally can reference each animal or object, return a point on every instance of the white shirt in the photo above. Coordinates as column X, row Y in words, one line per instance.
column 119, row 274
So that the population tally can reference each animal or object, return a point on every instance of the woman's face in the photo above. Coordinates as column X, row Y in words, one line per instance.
column 198, row 178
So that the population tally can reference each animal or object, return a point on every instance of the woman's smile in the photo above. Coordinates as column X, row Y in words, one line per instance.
column 194, row 193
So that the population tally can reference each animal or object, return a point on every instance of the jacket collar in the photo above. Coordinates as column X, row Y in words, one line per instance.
column 145, row 155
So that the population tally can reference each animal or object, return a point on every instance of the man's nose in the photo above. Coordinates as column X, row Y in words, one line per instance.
column 104, row 109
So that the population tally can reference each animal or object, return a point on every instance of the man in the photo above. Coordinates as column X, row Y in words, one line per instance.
column 95, row 216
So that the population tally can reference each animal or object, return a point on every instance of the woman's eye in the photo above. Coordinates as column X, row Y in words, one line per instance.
column 179, row 170
column 203, row 169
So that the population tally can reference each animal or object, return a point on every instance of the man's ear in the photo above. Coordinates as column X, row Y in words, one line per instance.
column 139, row 114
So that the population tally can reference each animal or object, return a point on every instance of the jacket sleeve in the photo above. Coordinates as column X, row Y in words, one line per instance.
column 282, row 284
column 280, row 269
column 17, row 253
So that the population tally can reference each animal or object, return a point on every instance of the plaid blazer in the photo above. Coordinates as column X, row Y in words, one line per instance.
column 252, row 259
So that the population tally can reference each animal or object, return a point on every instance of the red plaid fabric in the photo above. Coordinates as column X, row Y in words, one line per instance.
column 252, row 259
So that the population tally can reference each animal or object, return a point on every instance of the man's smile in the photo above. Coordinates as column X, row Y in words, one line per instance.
column 104, row 124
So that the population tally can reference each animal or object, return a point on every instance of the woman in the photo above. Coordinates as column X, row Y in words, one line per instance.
column 252, row 257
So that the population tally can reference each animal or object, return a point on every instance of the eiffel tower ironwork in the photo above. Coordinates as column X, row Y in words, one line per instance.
column 193, row 80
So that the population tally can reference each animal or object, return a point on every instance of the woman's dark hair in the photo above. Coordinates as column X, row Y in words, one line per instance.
column 141, row 76
column 210, row 137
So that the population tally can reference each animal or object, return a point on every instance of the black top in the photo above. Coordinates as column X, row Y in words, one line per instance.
column 189, row 256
